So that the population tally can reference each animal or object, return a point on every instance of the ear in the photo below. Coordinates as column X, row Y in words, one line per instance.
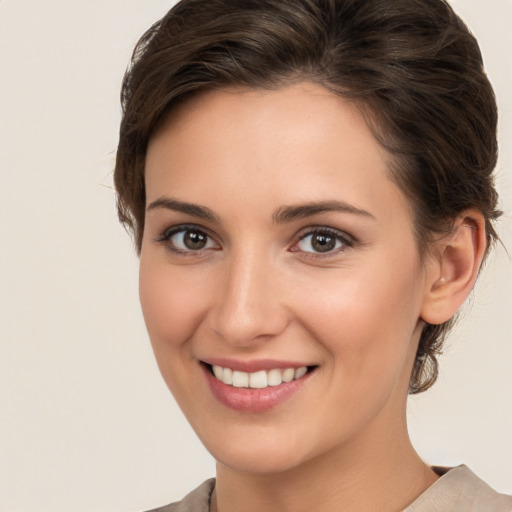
column 454, row 267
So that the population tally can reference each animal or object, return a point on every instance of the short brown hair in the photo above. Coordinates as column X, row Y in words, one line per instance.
column 412, row 66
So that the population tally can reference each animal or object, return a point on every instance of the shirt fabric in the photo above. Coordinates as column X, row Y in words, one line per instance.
column 457, row 490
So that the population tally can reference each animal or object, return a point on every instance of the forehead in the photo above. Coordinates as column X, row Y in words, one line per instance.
column 297, row 143
column 301, row 108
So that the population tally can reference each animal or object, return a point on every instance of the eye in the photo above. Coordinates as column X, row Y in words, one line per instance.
column 323, row 240
column 187, row 240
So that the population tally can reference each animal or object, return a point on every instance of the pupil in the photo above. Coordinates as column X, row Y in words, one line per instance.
column 323, row 243
column 195, row 240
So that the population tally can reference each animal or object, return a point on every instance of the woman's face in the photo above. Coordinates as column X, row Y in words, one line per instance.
column 275, row 240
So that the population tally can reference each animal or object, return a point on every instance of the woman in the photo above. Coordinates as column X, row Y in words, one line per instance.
column 309, row 184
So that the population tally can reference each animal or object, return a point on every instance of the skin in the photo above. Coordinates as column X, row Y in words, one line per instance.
column 258, row 290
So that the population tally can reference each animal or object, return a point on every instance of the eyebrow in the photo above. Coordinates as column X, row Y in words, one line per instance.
column 282, row 215
column 290, row 213
column 195, row 210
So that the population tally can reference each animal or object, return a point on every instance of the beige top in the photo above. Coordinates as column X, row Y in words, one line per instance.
column 457, row 490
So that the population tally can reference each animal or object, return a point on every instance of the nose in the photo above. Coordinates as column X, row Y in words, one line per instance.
column 249, row 307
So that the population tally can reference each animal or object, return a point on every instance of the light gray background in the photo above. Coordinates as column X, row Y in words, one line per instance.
column 86, row 424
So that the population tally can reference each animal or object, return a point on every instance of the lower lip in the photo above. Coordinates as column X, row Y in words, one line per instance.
column 253, row 400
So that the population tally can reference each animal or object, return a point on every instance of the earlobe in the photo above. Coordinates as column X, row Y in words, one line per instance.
column 452, row 273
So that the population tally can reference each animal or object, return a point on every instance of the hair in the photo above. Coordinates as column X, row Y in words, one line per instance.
column 412, row 67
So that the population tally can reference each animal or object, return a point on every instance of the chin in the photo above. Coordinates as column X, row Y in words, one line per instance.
column 258, row 451
column 259, row 461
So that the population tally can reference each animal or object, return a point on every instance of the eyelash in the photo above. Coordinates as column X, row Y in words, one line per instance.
column 347, row 241
column 166, row 236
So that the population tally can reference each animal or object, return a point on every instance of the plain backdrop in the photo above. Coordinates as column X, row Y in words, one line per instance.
column 86, row 423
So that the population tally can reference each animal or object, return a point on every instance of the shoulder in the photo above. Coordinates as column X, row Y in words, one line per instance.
column 460, row 490
column 196, row 501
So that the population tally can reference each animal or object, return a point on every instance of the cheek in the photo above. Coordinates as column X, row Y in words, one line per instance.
column 364, row 317
column 173, row 302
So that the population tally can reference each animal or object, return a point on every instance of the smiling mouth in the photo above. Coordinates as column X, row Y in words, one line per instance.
column 258, row 380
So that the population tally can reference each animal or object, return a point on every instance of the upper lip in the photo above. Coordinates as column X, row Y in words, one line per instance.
column 254, row 365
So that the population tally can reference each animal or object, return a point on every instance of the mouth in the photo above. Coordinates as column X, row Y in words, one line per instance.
column 259, row 379
column 255, row 387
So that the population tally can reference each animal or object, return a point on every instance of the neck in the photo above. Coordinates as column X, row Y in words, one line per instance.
column 361, row 476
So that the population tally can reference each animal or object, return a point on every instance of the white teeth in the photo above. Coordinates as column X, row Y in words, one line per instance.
column 240, row 379
column 218, row 371
column 227, row 376
column 275, row 377
column 257, row 380
column 300, row 372
column 288, row 375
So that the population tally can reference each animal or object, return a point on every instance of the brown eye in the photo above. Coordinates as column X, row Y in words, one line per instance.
column 323, row 241
column 195, row 240
column 188, row 240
